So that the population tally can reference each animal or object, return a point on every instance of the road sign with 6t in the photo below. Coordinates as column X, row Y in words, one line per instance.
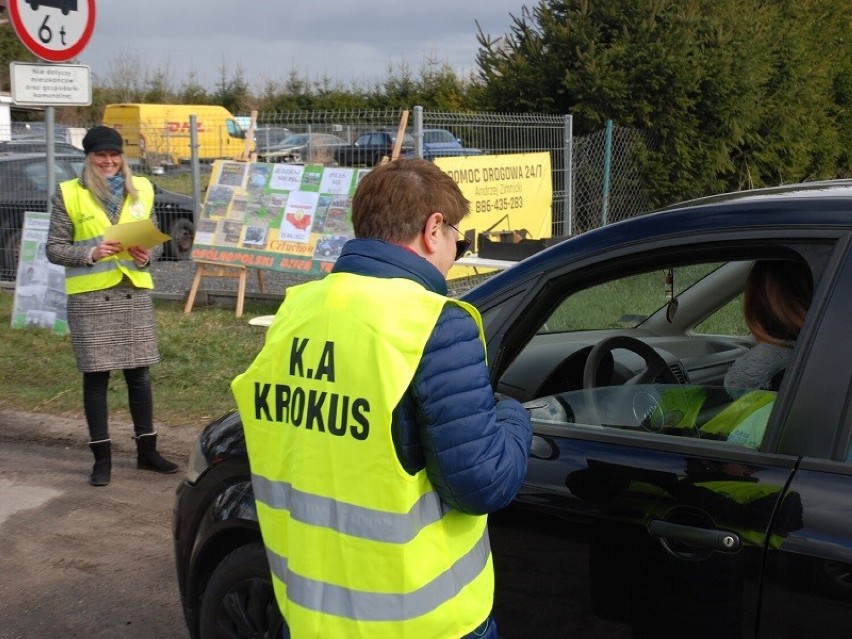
column 54, row 30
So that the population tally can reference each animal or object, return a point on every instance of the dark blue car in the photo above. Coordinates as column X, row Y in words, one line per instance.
column 657, row 503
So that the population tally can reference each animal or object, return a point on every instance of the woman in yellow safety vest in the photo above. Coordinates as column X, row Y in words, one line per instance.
column 109, row 309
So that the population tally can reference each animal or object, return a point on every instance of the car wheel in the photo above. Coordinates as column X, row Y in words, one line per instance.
column 11, row 251
column 183, row 234
column 239, row 602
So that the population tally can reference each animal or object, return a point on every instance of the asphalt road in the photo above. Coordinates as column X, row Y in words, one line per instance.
column 79, row 561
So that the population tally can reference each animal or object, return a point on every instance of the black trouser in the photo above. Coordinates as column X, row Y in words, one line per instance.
column 140, row 400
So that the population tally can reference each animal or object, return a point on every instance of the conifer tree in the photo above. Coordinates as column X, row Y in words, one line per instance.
column 738, row 93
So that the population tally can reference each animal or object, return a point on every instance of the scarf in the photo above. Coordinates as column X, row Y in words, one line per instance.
column 116, row 191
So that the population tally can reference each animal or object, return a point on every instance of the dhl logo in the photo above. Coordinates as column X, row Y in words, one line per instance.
column 183, row 127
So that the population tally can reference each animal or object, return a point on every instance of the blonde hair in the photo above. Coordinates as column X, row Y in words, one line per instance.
column 97, row 183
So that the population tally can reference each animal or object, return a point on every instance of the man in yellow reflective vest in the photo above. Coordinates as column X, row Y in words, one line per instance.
column 376, row 444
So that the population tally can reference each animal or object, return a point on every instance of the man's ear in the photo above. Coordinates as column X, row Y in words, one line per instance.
column 431, row 230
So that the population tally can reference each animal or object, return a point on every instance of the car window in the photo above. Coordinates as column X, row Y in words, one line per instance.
column 666, row 352
column 77, row 167
column 629, row 301
column 35, row 175
column 31, row 177
column 438, row 137
column 695, row 411
column 728, row 319
column 295, row 140
column 234, row 129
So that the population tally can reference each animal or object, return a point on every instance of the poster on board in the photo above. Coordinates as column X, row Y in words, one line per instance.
column 280, row 217
column 40, row 288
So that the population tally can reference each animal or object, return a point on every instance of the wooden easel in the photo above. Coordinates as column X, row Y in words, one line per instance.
column 205, row 268
column 397, row 145
column 228, row 271
column 249, row 155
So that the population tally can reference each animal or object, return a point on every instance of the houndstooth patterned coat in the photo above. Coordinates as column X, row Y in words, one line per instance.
column 111, row 329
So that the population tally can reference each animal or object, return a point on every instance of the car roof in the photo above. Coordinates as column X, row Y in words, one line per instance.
column 826, row 204
column 15, row 156
column 820, row 188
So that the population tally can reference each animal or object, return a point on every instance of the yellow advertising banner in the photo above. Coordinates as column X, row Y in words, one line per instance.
column 506, row 192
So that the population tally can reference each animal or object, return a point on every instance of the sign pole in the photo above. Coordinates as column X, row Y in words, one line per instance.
column 49, row 117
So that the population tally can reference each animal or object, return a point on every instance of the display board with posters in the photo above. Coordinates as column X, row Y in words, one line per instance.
column 296, row 218
column 40, row 289
column 280, row 217
column 506, row 192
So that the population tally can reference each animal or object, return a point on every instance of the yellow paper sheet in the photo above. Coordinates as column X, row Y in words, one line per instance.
column 141, row 233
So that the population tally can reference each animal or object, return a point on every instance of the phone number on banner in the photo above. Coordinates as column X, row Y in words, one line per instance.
column 498, row 204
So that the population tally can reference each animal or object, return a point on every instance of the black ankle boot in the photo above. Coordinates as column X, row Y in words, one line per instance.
column 147, row 457
column 103, row 462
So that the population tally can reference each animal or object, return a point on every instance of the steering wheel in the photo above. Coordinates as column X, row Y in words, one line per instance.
column 655, row 365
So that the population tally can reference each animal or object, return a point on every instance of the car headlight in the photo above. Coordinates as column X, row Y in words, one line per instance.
column 197, row 463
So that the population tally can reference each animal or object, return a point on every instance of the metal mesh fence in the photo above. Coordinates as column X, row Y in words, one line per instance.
column 602, row 182
column 581, row 199
column 608, row 178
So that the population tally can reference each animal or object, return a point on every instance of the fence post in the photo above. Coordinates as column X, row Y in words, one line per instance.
column 568, row 205
column 606, row 170
column 418, row 131
column 49, row 129
column 194, row 168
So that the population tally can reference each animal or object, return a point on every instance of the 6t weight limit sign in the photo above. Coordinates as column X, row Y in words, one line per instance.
column 54, row 30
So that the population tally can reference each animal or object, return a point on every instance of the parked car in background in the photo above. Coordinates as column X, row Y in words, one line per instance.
column 439, row 143
column 304, row 148
column 23, row 187
column 369, row 148
column 36, row 145
column 657, row 502
column 268, row 136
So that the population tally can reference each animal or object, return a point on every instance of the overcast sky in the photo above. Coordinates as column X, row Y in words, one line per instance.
column 349, row 41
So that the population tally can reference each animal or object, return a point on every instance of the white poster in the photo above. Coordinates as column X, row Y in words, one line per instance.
column 40, row 286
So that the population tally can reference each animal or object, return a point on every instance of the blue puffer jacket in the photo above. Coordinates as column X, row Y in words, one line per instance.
column 474, row 451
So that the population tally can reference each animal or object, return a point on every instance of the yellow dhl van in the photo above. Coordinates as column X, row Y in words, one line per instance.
column 158, row 134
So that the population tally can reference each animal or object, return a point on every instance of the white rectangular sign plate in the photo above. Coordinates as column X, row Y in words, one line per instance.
column 51, row 84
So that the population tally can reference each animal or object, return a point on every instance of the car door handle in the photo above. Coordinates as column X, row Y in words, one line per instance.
column 712, row 538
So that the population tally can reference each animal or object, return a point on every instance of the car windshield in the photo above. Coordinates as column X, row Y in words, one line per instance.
column 624, row 302
column 297, row 139
column 438, row 137
column 271, row 136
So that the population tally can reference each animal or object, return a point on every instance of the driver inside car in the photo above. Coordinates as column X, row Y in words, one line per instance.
column 776, row 299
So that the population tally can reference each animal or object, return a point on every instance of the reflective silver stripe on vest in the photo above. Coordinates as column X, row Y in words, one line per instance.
column 358, row 521
column 101, row 266
column 371, row 606
column 90, row 242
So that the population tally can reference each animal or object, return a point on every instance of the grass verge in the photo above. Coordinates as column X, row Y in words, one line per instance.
column 201, row 353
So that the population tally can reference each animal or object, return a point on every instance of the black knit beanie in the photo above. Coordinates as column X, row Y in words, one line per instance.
column 102, row 138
